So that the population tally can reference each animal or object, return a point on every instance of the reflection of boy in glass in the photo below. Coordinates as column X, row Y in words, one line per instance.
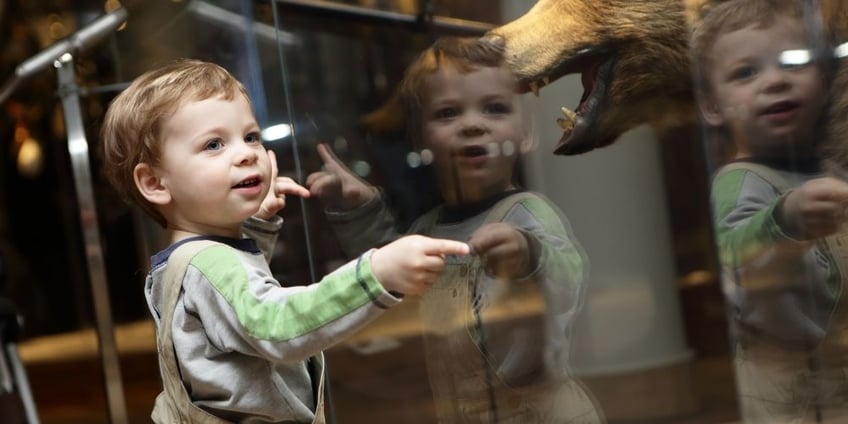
column 464, row 111
column 764, row 87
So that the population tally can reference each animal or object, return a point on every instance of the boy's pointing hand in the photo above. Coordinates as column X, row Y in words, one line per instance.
column 275, row 200
column 411, row 264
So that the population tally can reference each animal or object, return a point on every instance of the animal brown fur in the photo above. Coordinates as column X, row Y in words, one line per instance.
column 634, row 61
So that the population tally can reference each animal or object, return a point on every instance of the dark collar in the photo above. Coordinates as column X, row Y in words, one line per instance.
column 459, row 213
column 798, row 165
column 245, row 244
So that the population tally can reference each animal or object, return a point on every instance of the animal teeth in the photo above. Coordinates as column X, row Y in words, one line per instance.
column 534, row 87
column 568, row 120
column 546, row 80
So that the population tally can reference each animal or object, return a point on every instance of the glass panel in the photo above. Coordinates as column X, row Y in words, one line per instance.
column 611, row 306
column 649, row 341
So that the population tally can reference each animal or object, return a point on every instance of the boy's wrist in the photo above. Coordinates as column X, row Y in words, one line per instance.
column 270, row 225
column 371, row 205
column 365, row 266
column 359, row 199
column 785, row 223
column 533, row 253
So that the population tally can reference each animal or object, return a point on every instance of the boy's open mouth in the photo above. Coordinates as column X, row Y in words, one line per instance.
column 250, row 182
column 472, row 151
column 781, row 107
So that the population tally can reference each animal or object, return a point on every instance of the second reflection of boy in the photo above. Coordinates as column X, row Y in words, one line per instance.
column 776, row 214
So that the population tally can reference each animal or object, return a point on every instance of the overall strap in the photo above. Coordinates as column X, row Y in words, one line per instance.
column 173, row 405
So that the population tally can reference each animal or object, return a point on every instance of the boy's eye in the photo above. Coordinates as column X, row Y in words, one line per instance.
column 446, row 113
column 497, row 108
column 214, row 144
column 253, row 137
column 742, row 72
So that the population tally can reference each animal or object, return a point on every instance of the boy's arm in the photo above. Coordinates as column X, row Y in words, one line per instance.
column 745, row 208
column 776, row 285
column 241, row 307
column 245, row 310
column 368, row 226
column 558, row 262
column 556, row 282
column 356, row 210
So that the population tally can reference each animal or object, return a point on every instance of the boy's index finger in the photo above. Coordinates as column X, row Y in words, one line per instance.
column 479, row 245
column 272, row 158
column 836, row 192
column 447, row 247
column 286, row 185
column 327, row 156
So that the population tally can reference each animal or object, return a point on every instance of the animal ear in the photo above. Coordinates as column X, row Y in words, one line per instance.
column 150, row 185
column 694, row 9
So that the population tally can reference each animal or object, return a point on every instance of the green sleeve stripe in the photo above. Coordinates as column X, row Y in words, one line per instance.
column 740, row 244
column 300, row 313
column 725, row 191
column 549, row 217
column 566, row 264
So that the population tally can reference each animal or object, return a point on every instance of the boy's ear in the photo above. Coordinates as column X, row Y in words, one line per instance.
column 149, row 185
column 710, row 111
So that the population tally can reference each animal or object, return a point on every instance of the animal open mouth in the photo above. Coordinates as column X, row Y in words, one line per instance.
column 579, row 124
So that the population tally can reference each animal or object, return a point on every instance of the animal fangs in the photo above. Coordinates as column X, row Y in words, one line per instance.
column 568, row 120
column 536, row 85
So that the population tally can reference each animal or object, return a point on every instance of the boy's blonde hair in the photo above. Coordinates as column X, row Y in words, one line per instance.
column 462, row 54
column 132, row 128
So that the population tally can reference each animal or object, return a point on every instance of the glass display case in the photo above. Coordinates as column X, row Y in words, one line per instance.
column 632, row 296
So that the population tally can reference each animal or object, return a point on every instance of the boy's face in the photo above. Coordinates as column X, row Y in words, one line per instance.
column 472, row 124
column 763, row 91
column 213, row 165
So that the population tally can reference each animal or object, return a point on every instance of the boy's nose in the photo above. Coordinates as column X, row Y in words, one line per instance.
column 473, row 130
column 473, row 125
column 775, row 80
column 246, row 154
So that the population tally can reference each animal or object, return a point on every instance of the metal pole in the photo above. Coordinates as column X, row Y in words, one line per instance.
column 78, row 150
column 23, row 384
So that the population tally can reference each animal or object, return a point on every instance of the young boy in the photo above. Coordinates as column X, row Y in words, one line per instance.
column 464, row 112
column 776, row 214
column 234, row 345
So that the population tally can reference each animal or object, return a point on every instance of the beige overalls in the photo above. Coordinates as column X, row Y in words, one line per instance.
column 781, row 386
column 461, row 319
